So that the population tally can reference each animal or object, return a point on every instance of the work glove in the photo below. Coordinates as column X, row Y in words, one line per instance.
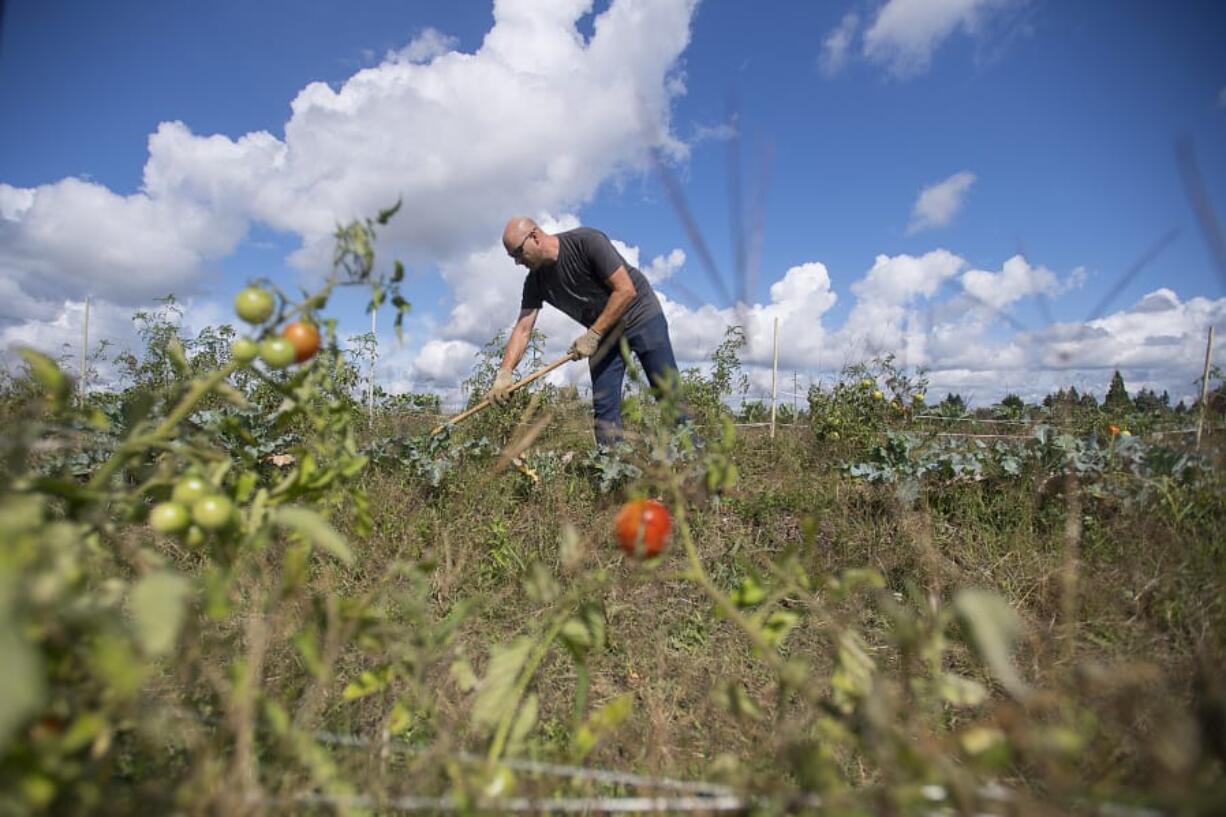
column 586, row 344
column 499, row 394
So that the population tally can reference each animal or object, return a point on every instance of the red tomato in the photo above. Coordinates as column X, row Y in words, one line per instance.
column 305, row 338
column 643, row 526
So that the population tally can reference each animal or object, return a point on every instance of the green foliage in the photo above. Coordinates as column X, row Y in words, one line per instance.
column 1131, row 464
column 429, row 458
column 96, row 610
column 706, row 395
column 865, row 400
column 609, row 468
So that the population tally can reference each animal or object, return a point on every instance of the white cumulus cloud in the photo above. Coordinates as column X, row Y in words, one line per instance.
column 905, row 33
column 1017, row 279
column 427, row 45
column 837, row 45
column 464, row 139
column 939, row 203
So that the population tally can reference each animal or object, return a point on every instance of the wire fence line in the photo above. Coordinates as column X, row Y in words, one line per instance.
column 535, row 805
column 691, row 795
column 535, row 767
column 1030, row 424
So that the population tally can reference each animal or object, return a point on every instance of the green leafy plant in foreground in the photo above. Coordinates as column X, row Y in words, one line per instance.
column 118, row 642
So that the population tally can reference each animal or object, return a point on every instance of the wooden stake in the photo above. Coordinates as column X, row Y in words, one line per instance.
column 1204, row 389
column 84, row 355
column 775, row 379
column 370, row 385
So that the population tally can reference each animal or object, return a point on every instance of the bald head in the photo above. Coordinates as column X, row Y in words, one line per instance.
column 516, row 230
column 528, row 245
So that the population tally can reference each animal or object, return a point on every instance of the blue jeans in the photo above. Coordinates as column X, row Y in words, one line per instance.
column 651, row 345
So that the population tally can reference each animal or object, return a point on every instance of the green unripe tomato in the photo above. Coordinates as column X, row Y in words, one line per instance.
column 194, row 537
column 245, row 350
column 213, row 512
column 278, row 353
column 169, row 517
column 189, row 489
column 254, row 305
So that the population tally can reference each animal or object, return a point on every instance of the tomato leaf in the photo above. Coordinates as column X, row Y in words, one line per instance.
column 960, row 691
column 386, row 215
column 318, row 532
column 496, row 692
column 158, row 604
column 994, row 628
column 21, row 682
column 602, row 722
column 525, row 719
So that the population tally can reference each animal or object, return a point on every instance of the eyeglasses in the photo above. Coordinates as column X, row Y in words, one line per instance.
column 518, row 251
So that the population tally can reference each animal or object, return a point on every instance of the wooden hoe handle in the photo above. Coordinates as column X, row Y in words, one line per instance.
column 539, row 373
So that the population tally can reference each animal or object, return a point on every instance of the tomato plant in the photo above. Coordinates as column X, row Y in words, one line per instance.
column 254, row 305
column 304, row 337
column 643, row 526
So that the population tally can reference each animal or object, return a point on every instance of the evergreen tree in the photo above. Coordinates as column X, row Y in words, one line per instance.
column 1117, row 395
column 1149, row 402
column 953, row 403
column 1013, row 403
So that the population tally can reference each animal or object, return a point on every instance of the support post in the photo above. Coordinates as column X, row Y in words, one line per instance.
column 775, row 379
column 1204, row 388
column 84, row 356
column 374, row 353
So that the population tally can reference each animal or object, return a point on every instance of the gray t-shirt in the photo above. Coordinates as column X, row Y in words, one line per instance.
column 577, row 283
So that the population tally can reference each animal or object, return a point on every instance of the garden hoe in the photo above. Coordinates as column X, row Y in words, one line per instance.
column 539, row 373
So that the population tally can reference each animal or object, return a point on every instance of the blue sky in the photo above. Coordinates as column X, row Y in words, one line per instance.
column 1044, row 132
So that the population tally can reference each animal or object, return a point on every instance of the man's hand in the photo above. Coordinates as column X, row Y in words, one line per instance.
column 587, row 344
column 499, row 394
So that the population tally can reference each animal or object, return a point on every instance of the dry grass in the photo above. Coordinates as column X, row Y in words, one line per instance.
column 1148, row 593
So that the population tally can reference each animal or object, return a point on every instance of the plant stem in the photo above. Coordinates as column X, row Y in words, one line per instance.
column 725, row 605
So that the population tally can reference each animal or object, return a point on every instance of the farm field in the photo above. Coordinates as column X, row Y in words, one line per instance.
column 613, row 407
column 228, row 588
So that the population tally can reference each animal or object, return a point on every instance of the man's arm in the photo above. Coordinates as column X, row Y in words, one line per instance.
column 518, row 342
column 516, row 345
column 622, row 295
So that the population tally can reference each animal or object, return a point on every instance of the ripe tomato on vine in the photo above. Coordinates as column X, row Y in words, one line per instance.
column 643, row 527
column 304, row 337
